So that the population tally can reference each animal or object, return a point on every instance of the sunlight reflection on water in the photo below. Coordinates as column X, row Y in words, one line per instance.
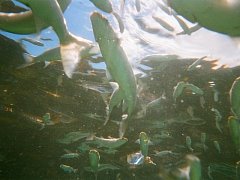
column 200, row 43
column 144, row 36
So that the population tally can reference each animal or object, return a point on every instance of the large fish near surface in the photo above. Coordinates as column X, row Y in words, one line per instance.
column 25, row 22
column 235, row 97
column 217, row 15
column 117, row 64
column 49, row 13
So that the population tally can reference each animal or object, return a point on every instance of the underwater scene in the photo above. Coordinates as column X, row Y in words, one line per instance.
column 119, row 90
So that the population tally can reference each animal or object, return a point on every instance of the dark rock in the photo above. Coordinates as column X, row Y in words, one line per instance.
column 11, row 53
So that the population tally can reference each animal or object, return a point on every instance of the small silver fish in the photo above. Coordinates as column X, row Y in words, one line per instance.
column 217, row 146
column 47, row 119
column 218, row 119
column 34, row 119
column 163, row 23
column 46, row 39
column 164, row 153
column 178, row 89
column 68, row 169
column 159, row 58
column 202, row 101
column 111, row 143
column 210, row 173
column 47, row 56
column 157, row 103
column 215, row 95
column 190, row 111
column 203, row 141
column 183, row 25
column 189, row 143
column 30, row 40
column 70, row 156
column 203, row 138
column 194, row 89
column 73, row 137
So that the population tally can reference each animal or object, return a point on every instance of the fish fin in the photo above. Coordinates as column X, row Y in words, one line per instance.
column 95, row 50
column 114, row 85
column 190, row 30
column 109, row 77
column 29, row 60
column 124, row 106
column 115, row 100
column 74, row 51
column 47, row 63
column 182, row 24
column 123, row 126
column 105, row 98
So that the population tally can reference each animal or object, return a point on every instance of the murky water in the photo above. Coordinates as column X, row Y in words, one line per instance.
column 30, row 150
column 31, row 146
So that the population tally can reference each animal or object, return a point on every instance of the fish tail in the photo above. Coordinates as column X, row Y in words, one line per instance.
column 94, row 50
column 91, row 137
column 29, row 60
column 74, row 51
column 123, row 126
column 70, row 58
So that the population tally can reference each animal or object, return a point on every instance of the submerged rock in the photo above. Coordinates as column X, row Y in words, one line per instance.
column 11, row 53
